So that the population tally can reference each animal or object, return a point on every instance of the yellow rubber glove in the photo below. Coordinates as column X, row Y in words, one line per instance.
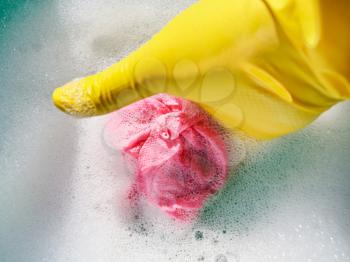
column 267, row 67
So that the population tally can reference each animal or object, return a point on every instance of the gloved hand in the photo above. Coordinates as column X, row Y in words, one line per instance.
column 267, row 67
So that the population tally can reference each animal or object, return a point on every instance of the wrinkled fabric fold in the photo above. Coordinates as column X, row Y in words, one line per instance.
column 179, row 151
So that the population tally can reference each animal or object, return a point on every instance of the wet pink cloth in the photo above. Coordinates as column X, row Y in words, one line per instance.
column 180, row 155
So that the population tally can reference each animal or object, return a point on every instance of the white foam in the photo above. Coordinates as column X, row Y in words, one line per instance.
column 62, row 192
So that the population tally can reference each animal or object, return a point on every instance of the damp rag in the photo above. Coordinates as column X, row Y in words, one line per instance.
column 179, row 154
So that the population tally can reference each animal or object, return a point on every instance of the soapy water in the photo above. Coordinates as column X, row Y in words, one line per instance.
column 61, row 190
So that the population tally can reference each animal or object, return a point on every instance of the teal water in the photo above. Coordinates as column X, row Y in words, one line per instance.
column 60, row 189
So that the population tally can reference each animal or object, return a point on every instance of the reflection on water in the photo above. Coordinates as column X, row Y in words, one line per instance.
column 61, row 191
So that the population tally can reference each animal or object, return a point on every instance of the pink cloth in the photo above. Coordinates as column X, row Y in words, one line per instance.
column 180, row 156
